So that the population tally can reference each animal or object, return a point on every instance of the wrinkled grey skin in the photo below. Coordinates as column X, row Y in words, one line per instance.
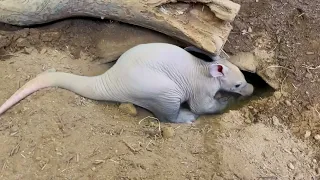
column 155, row 76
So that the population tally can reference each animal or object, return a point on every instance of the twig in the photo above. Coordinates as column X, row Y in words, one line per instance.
column 225, row 53
column 130, row 147
column 43, row 167
column 281, row 90
column 151, row 118
column 310, row 67
column 4, row 165
column 148, row 144
column 315, row 108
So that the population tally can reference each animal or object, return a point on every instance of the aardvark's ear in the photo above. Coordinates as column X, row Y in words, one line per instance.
column 201, row 54
column 217, row 70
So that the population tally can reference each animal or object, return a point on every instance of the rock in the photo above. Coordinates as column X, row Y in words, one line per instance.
column 248, row 121
column 318, row 170
column 298, row 176
column 277, row 94
column 128, row 108
column 248, row 117
column 288, row 103
column 167, row 132
column 290, row 165
column 309, row 53
column 245, row 61
column 307, row 134
column 275, row 121
column 317, row 137
column 22, row 42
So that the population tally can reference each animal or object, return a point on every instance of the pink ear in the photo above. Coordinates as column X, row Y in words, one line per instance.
column 216, row 70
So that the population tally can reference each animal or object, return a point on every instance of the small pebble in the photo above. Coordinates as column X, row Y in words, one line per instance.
column 317, row 137
column 249, row 29
column 285, row 94
column 93, row 168
column 282, row 57
column 128, row 108
column 294, row 150
column 167, row 132
column 277, row 95
column 248, row 121
column 275, row 121
column 153, row 124
column 309, row 53
column 44, row 50
column 244, row 31
column 288, row 103
column 307, row 134
column 14, row 129
column 314, row 160
column 298, row 176
column 318, row 170
column 290, row 165
column 28, row 50
column 309, row 76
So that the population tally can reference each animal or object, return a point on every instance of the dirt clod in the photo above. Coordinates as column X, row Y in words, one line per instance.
column 23, row 42
column 288, row 103
column 291, row 166
column 277, row 94
column 275, row 121
column 128, row 108
column 307, row 134
column 317, row 137
column 43, row 51
column 167, row 132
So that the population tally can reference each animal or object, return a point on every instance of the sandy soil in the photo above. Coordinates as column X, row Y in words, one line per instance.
column 55, row 134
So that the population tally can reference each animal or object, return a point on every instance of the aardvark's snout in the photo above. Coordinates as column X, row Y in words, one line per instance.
column 247, row 90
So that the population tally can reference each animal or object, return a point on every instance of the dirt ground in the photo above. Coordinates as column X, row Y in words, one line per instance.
column 56, row 134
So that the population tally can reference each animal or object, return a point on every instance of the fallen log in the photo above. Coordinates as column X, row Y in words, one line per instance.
column 203, row 23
